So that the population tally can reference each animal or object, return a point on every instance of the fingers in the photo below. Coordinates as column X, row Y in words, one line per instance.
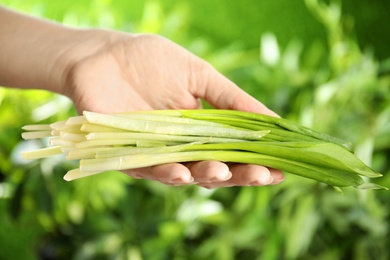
column 181, row 174
column 210, row 174
column 209, row 171
column 170, row 174
column 248, row 175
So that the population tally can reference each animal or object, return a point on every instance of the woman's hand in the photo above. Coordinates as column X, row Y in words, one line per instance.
column 109, row 71
column 143, row 72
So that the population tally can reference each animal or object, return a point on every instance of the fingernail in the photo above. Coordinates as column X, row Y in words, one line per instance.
column 224, row 178
column 261, row 182
column 135, row 176
column 182, row 180
column 277, row 181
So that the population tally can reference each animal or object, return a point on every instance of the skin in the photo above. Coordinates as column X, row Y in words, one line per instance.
column 110, row 71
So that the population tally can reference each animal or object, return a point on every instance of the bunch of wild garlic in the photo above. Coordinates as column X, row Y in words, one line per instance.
column 103, row 142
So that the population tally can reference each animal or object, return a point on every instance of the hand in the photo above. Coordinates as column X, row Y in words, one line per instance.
column 109, row 71
column 143, row 72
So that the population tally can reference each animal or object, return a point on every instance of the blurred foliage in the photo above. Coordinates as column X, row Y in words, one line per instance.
column 322, row 63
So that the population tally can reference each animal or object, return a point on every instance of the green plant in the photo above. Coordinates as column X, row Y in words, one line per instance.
column 114, row 216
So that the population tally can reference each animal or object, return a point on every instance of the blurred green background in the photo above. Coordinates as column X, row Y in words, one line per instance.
column 325, row 64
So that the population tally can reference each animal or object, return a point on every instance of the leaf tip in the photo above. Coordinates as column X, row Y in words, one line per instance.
column 371, row 186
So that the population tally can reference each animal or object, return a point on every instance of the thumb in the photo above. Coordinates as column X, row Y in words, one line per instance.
column 222, row 93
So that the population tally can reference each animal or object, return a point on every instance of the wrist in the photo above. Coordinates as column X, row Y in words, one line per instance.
column 38, row 54
column 80, row 44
